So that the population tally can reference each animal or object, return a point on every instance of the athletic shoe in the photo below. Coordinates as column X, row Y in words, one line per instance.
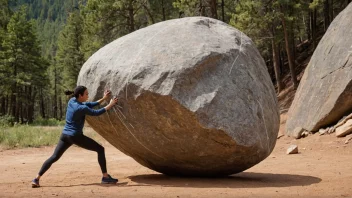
column 35, row 183
column 109, row 180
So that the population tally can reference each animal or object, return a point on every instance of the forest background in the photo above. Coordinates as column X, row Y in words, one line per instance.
column 44, row 43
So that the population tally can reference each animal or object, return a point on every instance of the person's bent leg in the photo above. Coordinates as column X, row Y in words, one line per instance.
column 61, row 147
column 89, row 144
column 59, row 150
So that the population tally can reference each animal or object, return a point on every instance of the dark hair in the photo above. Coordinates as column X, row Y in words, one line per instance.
column 68, row 92
column 79, row 90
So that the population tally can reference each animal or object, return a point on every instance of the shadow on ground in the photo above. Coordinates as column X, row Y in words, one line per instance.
column 241, row 180
column 91, row 184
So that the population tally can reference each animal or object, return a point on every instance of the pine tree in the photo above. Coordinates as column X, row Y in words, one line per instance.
column 5, row 15
column 24, row 68
column 259, row 21
column 107, row 20
column 69, row 57
column 208, row 8
column 160, row 10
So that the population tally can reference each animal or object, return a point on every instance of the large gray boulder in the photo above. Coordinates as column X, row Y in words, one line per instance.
column 195, row 98
column 325, row 91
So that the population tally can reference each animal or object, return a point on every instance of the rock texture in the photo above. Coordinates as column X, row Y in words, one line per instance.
column 195, row 98
column 325, row 91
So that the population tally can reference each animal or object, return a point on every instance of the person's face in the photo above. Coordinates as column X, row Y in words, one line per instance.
column 84, row 97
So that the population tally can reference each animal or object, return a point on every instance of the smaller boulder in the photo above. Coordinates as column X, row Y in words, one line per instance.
column 297, row 133
column 348, row 138
column 293, row 149
column 305, row 134
column 323, row 131
column 331, row 130
column 345, row 129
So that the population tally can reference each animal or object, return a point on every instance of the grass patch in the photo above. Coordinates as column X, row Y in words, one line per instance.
column 7, row 121
column 22, row 136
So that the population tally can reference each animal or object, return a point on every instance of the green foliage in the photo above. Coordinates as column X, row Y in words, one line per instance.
column 256, row 19
column 261, row 20
column 161, row 10
column 6, row 121
column 107, row 20
column 48, row 122
column 188, row 7
column 22, row 67
column 20, row 59
column 5, row 14
column 67, row 33
column 69, row 57
column 316, row 3
column 50, row 16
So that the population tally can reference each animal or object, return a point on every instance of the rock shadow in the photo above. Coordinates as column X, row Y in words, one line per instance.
column 241, row 180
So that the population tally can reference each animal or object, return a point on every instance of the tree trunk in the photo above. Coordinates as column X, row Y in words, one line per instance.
column 7, row 106
column 32, row 93
column 331, row 11
column 163, row 10
column 26, row 104
column 3, row 106
column 14, row 95
column 55, row 93
column 223, row 10
column 289, row 54
column 276, row 66
column 292, row 41
column 150, row 14
column 21, row 112
column 311, row 26
column 47, row 108
column 18, row 101
column 326, row 15
column 42, row 106
column 300, row 39
column 276, row 63
column 55, row 108
column 281, row 58
column 315, row 28
column 201, row 8
column 60, row 107
column 131, row 16
column 313, row 16
column 307, row 26
column 213, row 9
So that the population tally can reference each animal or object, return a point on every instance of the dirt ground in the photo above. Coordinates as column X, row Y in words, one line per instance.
column 321, row 169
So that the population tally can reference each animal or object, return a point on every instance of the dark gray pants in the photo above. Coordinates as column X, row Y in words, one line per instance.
column 80, row 140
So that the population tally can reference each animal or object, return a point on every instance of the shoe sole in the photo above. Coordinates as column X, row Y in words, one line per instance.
column 108, row 182
column 35, row 186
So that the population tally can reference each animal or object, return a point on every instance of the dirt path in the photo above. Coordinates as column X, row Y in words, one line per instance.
column 323, row 168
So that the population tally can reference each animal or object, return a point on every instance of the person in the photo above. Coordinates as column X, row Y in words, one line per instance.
column 72, row 133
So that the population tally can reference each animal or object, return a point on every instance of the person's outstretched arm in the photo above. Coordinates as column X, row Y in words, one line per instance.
column 111, row 104
column 96, row 112
column 107, row 93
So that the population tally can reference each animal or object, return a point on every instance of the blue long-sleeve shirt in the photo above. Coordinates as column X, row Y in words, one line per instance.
column 76, row 114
